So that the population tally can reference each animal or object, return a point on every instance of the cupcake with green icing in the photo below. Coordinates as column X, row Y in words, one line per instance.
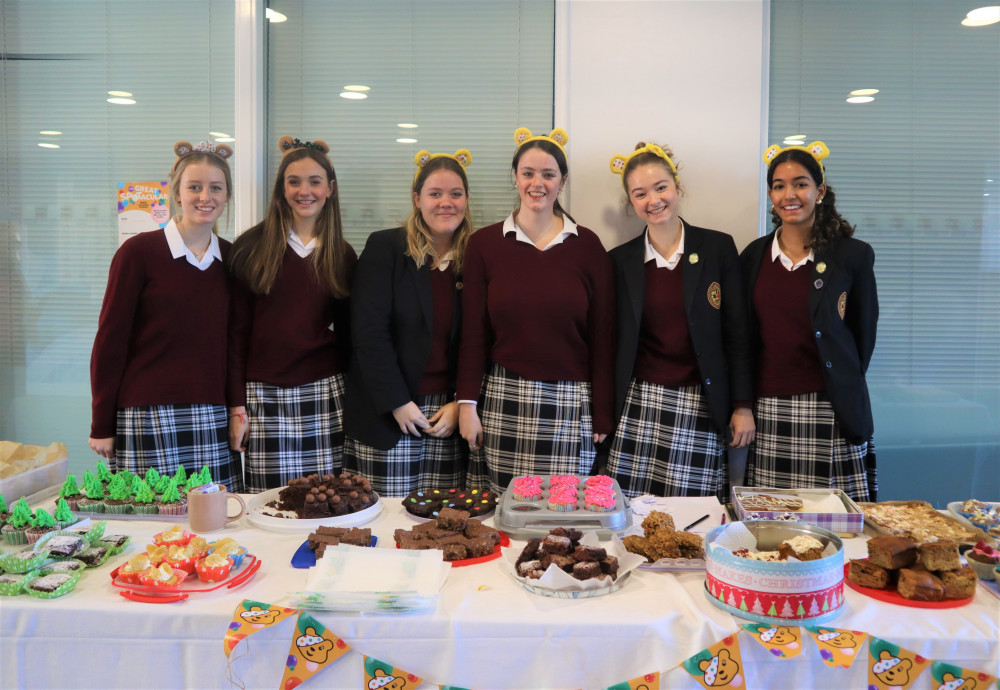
column 4, row 513
column 162, row 484
column 21, row 518
column 70, row 491
column 181, row 475
column 152, row 477
column 143, row 502
column 171, row 502
column 119, row 500
column 93, row 500
column 63, row 515
column 104, row 475
column 44, row 523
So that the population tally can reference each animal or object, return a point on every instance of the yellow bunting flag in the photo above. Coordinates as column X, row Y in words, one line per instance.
column 251, row 617
column 650, row 681
column 379, row 675
column 313, row 648
column 891, row 667
column 950, row 677
column 837, row 647
column 782, row 641
column 719, row 666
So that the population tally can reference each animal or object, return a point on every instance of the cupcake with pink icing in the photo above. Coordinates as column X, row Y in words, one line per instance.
column 602, row 481
column 599, row 499
column 562, row 498
column 570, row 480
column 527, row 488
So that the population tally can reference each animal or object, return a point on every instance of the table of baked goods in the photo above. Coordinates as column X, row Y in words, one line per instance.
column 486, row 630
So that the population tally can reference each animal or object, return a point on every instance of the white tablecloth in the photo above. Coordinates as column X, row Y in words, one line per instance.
column 486, row 631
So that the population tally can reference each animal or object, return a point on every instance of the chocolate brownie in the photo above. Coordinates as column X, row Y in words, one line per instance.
column 525, row 568
column 49, row 583
column 530, row 550
column 93, row 556
column 64, row 546
column 449, row 518
column 584, row 570
column 867, row 574
column 919, row 585
column 67, row 566
column 455, row 551
column 557, row 544
column 114, row 541
column 480, row 546
column 357, row 537
column 12, row 578
column 560, row 561
column 571, row 534
column 892, row 552
column 609, row 566
column 589, row 553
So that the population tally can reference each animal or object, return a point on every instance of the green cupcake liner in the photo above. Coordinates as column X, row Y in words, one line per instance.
column 15, row 537
column 54, row 566
column 23, row 561
column 12, row 589
column 145, row 509
column 115, row 550
column 120, row 509
column 90, row 507
column 64, row 588
column 95, row 532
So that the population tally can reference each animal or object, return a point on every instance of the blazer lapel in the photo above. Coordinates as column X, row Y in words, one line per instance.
column 822, row 270
column 635, row 280
column 693, row 263
column 422, row 287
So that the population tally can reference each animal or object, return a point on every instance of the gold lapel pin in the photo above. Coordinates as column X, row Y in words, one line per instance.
column 821, row 267
column 694, row 258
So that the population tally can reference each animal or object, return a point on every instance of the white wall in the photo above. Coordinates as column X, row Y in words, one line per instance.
column 686, row 73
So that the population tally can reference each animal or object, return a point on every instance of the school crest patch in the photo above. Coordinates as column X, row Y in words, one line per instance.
column 842, row 305
column 715, row 295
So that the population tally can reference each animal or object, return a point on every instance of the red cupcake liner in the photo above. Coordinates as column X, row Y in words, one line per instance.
column 214, row 573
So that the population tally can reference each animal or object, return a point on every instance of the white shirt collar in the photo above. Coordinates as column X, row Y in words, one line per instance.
column 179, row 249
column 509, row 226
column 445, row 262
column 653, row 255
column 302, row 250
column 776, row 253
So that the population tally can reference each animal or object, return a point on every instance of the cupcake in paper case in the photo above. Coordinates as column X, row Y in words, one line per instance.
column 176, row 535
column 984, row 560
column 70, row 492
column 119, row 500
column 44, row 523
column 143, row 499
column 182, row 558
column 170, row 502
column 64, row 515
column 181, row 476
column 527, row 488
column 601, row 481
column 133, row 568
column 162, row 576
column 103, row 473
column 93, row 500
column 4, row 513
column 12, row 584
column 562, row 499
column 598, row 501
column 21, row 518
column 214, row 567
column 570, row 480
column 51, row 585
column 201, row 545
column 157, row 553
column 152, row 477
column 229, row 548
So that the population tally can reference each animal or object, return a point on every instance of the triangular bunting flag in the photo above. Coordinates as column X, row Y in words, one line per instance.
column 650, row 681
column 782, row 641
column 313, row 648
column 719, row 666
column 890, row 667
column 379, row 674
column 251, row 617
column 950, row 677
column 837, row 647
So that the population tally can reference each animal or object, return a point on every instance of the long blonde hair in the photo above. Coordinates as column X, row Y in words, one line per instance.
column 258, row 253
column 418, row 235
column 175, row 179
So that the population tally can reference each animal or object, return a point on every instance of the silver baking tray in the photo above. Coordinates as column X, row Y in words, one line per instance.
column 530, row 519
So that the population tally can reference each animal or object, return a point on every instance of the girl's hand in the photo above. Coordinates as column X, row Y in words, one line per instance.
column 469, row 425
column 599, row 437
column 239, row 428
column 444, row 421
column 105, row 447
column 742, row 428
column 410, row 419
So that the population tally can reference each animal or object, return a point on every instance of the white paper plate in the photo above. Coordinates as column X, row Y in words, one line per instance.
column 955, row 508
column 574, row 593
column 258, row 504
column 676, row 565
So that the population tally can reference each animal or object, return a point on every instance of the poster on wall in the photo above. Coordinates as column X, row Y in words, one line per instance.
column 142, row 206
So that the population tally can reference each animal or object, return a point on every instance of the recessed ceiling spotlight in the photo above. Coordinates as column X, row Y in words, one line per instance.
column 407, row 125
column 795, row 136
column 121, row 101
column 860, row 99
column 273, row 16
column 357, row 87
column 120, row 94
column 50, row 132
column 863, row 92
column 406, row 140
column 46, row 145
column 353, row 95
column 225, row 140
column 793, row 142
column 217, row 134
column 989, row 14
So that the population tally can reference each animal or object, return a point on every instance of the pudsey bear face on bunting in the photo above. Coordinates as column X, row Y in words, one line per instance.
column 779, row 635
column 720, row 670
column 313, row 647
column 839, row 640
column 382, row 681
column 258, row 616
column 892, row 670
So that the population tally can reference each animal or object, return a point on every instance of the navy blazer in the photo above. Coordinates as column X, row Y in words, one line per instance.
column 845, row 343
column 392, row 316
column 719, row 335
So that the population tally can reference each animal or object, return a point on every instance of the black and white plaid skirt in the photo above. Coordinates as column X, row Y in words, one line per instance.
column 798, row 445
column 415, row 463
column 666, row 444
column 533, row 427
column 294, row 432
column 166, row 436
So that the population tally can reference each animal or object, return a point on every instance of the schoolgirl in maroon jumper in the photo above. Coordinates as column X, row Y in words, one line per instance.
column 682, row 374
column 401, row 418
column 290, row 325
column 537, row 332
column 814, row 311
column 157, row 371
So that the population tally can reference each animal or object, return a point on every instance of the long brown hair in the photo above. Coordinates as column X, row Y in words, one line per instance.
column 418, row 235
column 554, row 151
column 828, row 224
column 258, row 253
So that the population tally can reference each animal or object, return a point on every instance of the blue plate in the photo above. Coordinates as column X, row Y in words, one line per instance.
column 304, row 557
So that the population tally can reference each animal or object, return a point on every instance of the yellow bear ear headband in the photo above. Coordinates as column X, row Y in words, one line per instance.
column 817, row 150
column 558, row 136
column 463, row 157
column 619, row 163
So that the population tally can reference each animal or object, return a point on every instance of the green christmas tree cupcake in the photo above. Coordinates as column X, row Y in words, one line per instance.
column 44, row 523
column 70, row 491
column 171, row 502
column 152, row 477
column 181, row 475
column 104, row 474
column 21, row 518
column 93, row 502
column 143, row 501
column 4, row 513
column 64, row 516
column 163, row 484
column 119, row 501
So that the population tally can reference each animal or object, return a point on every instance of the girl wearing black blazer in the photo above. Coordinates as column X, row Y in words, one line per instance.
column 814, row 309
column 401, row 416
column 682, row 374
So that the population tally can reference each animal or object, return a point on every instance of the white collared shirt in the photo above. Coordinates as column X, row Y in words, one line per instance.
column 445, row 262
column 509, row 226
column 776, row 253
column 302, row 250
column 675, row 258
column 179, row 249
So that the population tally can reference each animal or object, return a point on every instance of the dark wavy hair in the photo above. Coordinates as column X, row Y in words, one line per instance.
column 828, row 224
column 554, row 151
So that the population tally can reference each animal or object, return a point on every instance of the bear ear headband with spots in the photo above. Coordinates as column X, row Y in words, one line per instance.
column 287, row 144
column 422, row 158
column 186, row 148
column 557, row 136
column 817, row 150
column 618, row 163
